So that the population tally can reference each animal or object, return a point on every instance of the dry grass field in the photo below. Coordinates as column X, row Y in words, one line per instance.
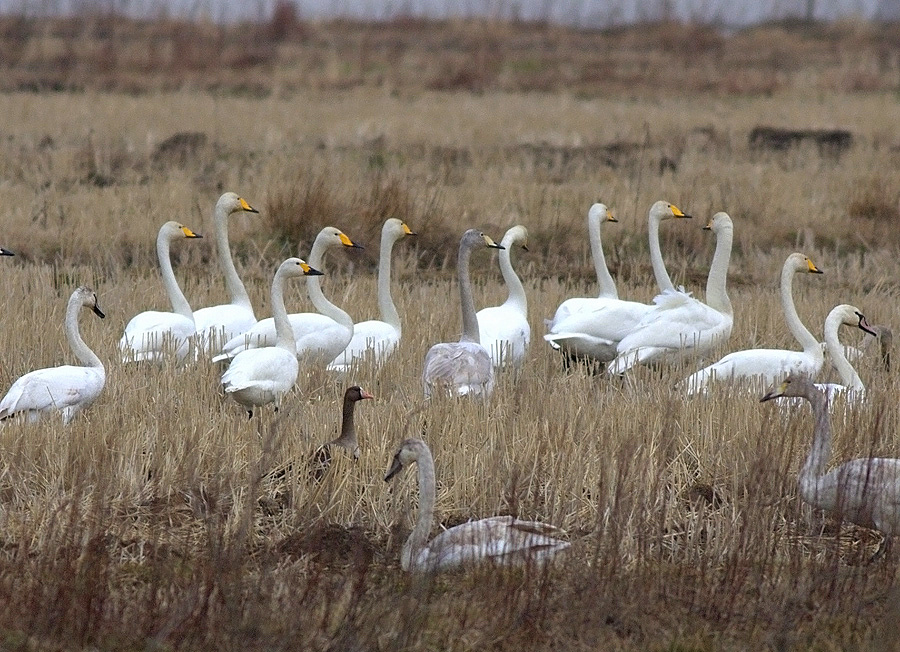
column 144, row 525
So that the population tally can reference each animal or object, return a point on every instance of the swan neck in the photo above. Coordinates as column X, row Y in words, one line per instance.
column 656, row 259
column 471, row 331
column 418, row 538
column 604, row 278
column 179, row 303
column 314, row 288
column 236, row 290
column 849, row 378
column 809, row 343
column 284, row 334
column 716, row 292
column 81, row 350
column 516, row 297
column 820, row 453
column 386, row 306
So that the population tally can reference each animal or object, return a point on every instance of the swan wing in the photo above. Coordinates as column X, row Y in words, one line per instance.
column 597, row 332
column 459, row 368
column 766, row 365
column 269, row 368
column 55, row 388
column 150, row 334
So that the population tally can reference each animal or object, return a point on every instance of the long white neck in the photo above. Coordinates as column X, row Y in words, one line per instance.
column 809, row 343
column 516, row 298
column 85, row 356
column 716, row 293
column 604, row 278
column 471, row 332
column 659, row 267
column 180, row 305
column 386, row 306
column 314, row 287
column 233, row 284
column 284, row 334
column 849, row 378
column 418, row 538
column 820, row 453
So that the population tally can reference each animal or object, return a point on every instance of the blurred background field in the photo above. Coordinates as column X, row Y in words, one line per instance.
column 145, row 524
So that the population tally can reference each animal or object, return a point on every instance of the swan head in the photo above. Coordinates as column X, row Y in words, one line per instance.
column 599, row 213
column 847, row 315
column 516, row 235
column 6, row 252
column 87, row 298
column 332, row 237
column 407, row 453
column 475, row 238
column 801, row 263
column 397, row 228
column 719, row 221
column 295, row 267
column 663, row 210
column 230, row 203
column 794, row 386
column 174, row 230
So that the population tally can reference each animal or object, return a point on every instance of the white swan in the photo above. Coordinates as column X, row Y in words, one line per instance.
column 68, row 388
column 150, row 334
column 319, row 336
column 767, row 365
column 865, row 491
column 464, row 367
column 851, row 384
column 263, row 375
column 501, row 540
column 680, row 325
column 217, row 324
column 378, row 337
column 503, row 330
column 592, row 328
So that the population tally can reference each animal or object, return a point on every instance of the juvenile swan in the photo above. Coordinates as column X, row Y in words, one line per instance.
column 151, row 333
column 504, row 329
column 463, row 367
column 501, row 540
column 865, row 491
column 260, row 376
column 69, row 388
column 217, row 324
column 379, row 338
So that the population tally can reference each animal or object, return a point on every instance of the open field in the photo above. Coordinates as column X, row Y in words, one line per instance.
column 144, row 524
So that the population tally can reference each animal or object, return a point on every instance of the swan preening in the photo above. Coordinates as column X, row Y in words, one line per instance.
column 377, row 338
column 263, row 375
column 67, row 389
column 679, row 325
column 865, row 491
column 593, row 327
column 767, row 365
column 503, row 330
column 150, row 334
column 501, row 540
column 318, row 336
column 464, row 367
column 217, row 324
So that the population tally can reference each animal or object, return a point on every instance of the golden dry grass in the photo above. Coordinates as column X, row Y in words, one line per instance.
column 145, row 523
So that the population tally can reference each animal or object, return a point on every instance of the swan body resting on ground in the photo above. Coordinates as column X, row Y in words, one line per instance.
column 503, row 330
column 318, row 336
column 501, row 540
column 864, row 491
column 263, row 375
column 767, row 365
column 592, row 328
column 69, row 388
column 464, row 367
column 217, row 324
column 347, row 440
column 379, row 338
column 679, row 325
column 150, row 334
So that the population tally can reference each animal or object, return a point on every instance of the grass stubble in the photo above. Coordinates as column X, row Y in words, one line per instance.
column 149, row 523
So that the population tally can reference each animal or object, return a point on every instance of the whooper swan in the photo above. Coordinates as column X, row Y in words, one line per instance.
column 501, row 540
column 263, row 375
column 318, row 336
column 767, row 365
column 503, row 330
column 378, row 338
column 679, row 325
column 464, row 367
column 851, row 385
column 217, row 324
column 151, row 333
column 592, row 328
column 69, row 388
column 864, row 491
